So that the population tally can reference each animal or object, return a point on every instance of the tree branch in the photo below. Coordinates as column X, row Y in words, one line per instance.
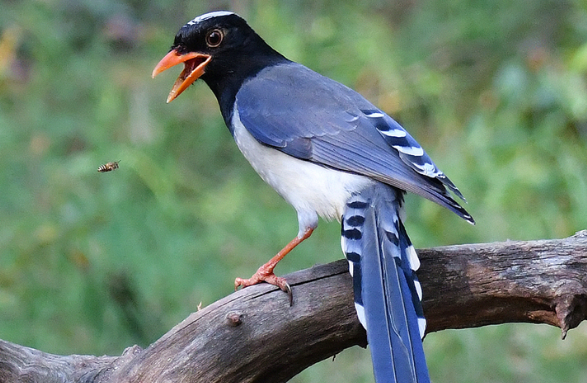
column 254, row 335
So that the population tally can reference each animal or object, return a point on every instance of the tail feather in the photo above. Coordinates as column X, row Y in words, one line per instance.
column 383, row 261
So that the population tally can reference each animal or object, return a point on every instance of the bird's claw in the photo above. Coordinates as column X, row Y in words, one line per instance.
column 270, row 278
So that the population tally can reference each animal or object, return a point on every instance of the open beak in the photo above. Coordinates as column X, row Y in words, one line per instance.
column 194, row 66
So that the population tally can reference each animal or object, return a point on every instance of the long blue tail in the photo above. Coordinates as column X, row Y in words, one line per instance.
column 388, row 295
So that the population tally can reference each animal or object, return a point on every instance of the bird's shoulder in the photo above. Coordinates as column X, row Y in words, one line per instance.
column 290, row 102
column 301, row 87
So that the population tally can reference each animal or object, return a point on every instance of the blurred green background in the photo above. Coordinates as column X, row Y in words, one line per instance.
column 91, row 263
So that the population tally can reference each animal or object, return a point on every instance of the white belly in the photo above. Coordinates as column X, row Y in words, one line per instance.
column 313, row 190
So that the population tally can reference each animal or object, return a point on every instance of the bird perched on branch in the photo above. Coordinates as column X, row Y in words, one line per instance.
column 330, row 153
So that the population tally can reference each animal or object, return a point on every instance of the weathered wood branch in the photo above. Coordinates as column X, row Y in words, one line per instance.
column 255, row 336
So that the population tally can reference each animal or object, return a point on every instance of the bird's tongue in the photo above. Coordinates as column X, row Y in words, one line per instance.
column 194, row 66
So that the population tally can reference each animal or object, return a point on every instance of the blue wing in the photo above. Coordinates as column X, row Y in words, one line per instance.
column 314, row 118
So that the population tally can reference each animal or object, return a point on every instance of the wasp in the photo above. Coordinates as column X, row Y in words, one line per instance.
column 110, row 166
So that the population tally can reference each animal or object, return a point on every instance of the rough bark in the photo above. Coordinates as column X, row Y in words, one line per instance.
column 254, row 335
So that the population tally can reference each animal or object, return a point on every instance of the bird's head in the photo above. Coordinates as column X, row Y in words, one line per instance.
column 214, row 47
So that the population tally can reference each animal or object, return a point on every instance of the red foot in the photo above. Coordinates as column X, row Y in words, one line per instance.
column 265, row 272
column 263, row 275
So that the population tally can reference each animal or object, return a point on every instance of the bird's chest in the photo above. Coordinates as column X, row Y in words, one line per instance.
column 307, row 186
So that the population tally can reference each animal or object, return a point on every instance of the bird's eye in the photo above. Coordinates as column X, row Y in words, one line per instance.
column 214, row 38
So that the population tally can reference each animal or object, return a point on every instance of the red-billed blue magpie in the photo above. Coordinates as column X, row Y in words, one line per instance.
column 330, row 153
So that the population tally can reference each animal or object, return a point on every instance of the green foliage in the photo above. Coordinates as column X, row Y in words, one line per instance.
column 91, row 263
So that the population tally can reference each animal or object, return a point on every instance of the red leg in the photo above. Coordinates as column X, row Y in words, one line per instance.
column 265, row 272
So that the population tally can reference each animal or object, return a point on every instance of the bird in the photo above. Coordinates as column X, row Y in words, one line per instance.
column 329, row 153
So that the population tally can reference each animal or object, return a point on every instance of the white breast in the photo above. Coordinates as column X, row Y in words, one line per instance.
column 313, row 190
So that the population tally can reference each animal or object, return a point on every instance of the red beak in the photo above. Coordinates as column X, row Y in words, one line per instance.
column 194, row 66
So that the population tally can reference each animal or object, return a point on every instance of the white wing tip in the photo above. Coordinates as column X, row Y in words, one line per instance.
column 422, row 327
column 413, row 258
column 361, row 314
